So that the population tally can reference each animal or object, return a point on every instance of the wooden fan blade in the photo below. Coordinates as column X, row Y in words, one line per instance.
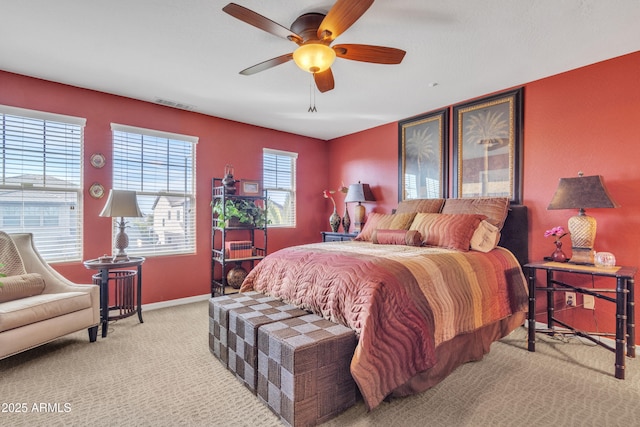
column 267, row 64
column 259, row 21
column 324, row 80
column 341, row 16
column 368, row 53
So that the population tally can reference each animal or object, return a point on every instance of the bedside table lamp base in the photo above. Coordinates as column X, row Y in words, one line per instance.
column 358, row 213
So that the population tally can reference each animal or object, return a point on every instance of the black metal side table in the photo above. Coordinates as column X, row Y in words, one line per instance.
column 623, row 298
column 127, row 289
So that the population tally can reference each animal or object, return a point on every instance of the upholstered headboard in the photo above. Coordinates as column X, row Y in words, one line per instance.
column 515, row 233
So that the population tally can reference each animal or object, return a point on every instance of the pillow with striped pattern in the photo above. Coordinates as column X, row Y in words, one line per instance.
column 21, row 286
column 494, row 208
column 397, row 237
column 420, row 206
column 376, row 221
column 447, row 230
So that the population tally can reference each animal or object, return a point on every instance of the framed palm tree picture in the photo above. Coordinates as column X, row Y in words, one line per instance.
column 423, row 156
column 487, row 147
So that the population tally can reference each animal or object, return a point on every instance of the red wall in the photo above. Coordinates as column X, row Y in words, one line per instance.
column 369, row 157
column 221, row 142
column 585, row 120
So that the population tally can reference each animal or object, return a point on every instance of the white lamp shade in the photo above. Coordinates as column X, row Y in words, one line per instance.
column 121, row 203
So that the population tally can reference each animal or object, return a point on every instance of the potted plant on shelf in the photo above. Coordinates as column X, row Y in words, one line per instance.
column 238, row 213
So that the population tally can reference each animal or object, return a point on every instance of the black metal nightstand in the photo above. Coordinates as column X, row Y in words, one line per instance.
column 623, row 299
column 330, row 236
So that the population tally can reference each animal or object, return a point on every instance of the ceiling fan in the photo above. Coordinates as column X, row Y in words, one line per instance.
column 314, row 33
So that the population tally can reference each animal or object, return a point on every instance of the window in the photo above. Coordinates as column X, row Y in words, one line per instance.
column 41, row 180
column 159, row 166
column 279, row 179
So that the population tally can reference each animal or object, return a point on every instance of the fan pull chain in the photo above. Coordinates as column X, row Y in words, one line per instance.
column 312, row 96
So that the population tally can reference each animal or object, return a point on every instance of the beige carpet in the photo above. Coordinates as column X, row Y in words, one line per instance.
column 161, row 373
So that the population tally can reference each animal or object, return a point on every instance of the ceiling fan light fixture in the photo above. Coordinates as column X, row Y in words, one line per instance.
column 314, row 57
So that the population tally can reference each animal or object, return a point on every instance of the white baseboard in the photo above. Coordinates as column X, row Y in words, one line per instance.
column 174, row 302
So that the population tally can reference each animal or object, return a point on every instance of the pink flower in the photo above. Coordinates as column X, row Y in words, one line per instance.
column 558, row 232
column 328, row 195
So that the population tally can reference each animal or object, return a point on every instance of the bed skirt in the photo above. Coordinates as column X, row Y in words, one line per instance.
column 458, row 351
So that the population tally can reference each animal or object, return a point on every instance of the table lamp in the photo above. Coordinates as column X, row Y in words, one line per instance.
column 359, row 193
column 121, row 203
column 580, row 193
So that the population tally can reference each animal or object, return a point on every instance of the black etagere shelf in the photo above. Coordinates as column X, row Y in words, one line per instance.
column 234, row 245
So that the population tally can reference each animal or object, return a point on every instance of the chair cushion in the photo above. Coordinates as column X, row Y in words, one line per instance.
column 25, row 311
column 22, row 286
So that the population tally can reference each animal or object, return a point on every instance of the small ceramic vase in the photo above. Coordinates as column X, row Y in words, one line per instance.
column 346, row 220
column 334, row 220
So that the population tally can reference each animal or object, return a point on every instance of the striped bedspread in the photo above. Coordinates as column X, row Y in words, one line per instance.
column 402, row 301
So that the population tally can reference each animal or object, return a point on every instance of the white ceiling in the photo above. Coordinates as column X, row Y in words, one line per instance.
column 190, row 52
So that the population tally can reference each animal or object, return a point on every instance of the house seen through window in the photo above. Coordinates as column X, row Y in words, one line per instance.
column 41, row 180
column 279, row 179
column 159, row 166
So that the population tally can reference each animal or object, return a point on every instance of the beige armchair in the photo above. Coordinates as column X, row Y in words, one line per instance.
column 37, row 304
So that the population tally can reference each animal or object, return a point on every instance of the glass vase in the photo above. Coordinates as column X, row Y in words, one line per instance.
column 558, row 255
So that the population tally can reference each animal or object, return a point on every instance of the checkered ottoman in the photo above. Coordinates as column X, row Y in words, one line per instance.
column 242, row 335
column 219, row 318
column 303, row 369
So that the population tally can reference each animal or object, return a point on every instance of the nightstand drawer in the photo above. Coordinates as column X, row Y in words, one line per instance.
column 329, row 236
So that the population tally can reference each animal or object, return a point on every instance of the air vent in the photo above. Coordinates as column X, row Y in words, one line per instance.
column 174, row 104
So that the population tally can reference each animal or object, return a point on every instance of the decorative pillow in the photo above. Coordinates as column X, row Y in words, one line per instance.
column 384, row 221
column 486, row 237
column 10, row 257
column 397, row 237
column 420, row 206
column 494, row 208
column 446, row 230
column 22, row 286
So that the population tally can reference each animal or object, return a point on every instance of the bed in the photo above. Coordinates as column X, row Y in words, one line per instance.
column 425, row 289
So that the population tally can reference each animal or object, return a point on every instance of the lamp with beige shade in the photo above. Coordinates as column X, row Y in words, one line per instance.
column 121, row 203
column 582, row 192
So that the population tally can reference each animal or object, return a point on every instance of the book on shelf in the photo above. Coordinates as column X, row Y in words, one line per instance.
column 238, row 249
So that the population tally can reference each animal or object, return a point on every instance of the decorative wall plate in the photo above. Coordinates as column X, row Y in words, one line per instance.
column 97, row 160
column 96, row 190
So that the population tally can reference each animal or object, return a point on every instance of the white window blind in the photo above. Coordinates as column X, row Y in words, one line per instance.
column 279, row 179
column 41, row 180
column 160, row 167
